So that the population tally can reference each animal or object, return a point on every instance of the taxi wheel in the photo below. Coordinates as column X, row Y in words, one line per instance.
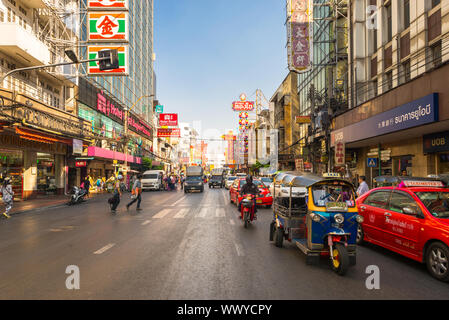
column 360, row 235
column 278, row 237
column 340, row 260
column 437, row 260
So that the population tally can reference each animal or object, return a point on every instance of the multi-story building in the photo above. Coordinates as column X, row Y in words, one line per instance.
column 399, row 116
column 39, row 132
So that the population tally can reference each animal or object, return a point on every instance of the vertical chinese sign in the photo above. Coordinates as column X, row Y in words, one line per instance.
column 108, row 28
column 300, row 34
column 339, row 154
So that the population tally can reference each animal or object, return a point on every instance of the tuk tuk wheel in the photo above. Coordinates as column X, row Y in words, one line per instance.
column 340, row 260
column 360, row 235
column 279, row 237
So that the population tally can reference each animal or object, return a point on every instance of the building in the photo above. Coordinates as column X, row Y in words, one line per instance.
column 39, row 130
column 399, row 117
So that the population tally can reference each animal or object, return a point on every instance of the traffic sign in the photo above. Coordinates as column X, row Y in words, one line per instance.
column 372, row 162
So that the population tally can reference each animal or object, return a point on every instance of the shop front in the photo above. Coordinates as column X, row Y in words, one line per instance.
column 437, row 147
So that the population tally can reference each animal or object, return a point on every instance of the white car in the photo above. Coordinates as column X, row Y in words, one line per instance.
column 152, row 180
column 229, row 181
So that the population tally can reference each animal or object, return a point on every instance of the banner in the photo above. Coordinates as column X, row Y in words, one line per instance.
column 243, row 106
column 168, row 119
column 107, row 4
column 93, row 67
column 300, row 34
column 340, row 154
column 108, row 26
column 168, row 132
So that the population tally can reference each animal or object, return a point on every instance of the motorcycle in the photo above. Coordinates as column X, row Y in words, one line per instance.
column 248, row 209
column 77, row 196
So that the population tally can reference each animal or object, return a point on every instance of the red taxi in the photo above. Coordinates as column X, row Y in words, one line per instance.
column 265, row 199
column 412, row 220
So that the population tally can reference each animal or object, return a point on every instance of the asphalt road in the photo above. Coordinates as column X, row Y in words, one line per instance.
column 181, row 246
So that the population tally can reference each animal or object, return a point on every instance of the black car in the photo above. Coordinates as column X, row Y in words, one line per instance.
column 194, row 183
column 216, row 181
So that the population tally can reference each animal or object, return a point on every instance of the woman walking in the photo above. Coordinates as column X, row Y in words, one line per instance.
column 7, row 196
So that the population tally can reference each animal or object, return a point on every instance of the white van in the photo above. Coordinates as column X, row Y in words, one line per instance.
column 152, row 180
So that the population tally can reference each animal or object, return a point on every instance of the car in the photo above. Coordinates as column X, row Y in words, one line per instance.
column 280, row 187
column 265, row 199
column 229, row 181
column 411, row 219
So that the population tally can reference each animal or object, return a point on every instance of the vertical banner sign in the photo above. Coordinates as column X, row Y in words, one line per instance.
column 300, row 34
column 107, row 4
column 108, row 26
column 94, row 69
column 339, row 154
column 274, row 150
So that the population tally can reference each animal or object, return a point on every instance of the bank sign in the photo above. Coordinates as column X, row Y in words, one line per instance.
column 437, row 142
column 416, row 113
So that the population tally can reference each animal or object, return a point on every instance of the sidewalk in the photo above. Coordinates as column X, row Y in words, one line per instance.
column 46, row 202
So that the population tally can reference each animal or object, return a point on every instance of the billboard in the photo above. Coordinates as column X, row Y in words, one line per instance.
column 93, row 66
column 107, row 4
column 168, row 132
column 300, row 34
column 243, row 106
column 168, row 119
column 108, row 26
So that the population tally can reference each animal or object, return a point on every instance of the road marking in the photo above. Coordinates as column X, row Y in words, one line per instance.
column 220, row 212
column 174, row 204
column 105, row 248
column 202, row 213
column 162, row 214
column 239, row 250
column 232, row 222
column 146, row 222
column 181, row 214
column 225, row 200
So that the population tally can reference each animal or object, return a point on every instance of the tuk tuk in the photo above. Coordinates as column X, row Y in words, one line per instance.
column 323, row 221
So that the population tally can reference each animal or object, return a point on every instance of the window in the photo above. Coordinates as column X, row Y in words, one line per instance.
column 406, row 14
column 406, row 71
column 388, row 85
column 435, row 55
column 388, row 59
column 400, row 200
column 405, row 45
column 389, row 23
column 434, row 25
column 435, row 3
column 378, row 199
column 373, row 67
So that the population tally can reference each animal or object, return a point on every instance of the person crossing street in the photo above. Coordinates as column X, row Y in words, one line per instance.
column 137, row 193
column 7, row 196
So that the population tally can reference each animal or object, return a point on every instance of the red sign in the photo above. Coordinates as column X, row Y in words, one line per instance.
column 81, row 164
column 168, row 132
column 168, row 119
column 243, row 106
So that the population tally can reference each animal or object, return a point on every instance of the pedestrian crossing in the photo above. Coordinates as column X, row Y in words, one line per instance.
column 195, row 212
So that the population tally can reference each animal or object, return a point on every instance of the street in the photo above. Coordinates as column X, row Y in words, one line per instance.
column 182, row 246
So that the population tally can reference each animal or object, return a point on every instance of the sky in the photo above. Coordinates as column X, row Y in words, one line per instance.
column 208, row 52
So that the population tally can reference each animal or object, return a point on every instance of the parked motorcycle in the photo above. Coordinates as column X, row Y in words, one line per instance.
column 77, row 196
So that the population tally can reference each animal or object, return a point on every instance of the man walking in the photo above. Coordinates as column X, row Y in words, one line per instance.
column 137, row 193
column 7, row 196
column 363, row 187
column 115, row 200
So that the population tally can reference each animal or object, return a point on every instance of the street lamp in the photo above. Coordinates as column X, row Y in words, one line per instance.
column 127, row 111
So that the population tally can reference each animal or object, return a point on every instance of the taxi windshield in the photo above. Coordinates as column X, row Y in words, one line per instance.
column 436, row 202
column 325, row 193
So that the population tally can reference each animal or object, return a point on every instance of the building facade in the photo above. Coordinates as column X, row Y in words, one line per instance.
column 399, row 115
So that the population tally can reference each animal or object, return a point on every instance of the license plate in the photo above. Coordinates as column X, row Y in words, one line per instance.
column 258, row 201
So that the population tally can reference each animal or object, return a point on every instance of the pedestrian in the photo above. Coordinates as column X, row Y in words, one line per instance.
column 115, row 200
column 7, row 196
column 87, row 186
column 98, row 184
column 136, row 193
column 182, row 182
column 363, row 187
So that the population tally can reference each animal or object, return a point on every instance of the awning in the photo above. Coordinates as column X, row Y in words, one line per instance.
column 40, row 137
column 114, row 155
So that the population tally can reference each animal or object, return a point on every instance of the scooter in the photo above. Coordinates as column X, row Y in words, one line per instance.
column 77, row 196
column 248, row 209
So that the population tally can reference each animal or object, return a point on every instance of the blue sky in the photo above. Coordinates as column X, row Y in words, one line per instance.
column 210, row 51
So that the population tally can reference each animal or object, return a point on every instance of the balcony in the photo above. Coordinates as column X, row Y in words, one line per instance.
column 23, row 45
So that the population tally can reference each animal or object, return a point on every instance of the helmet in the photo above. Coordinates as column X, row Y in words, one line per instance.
column 120, row 177
column 249, row 179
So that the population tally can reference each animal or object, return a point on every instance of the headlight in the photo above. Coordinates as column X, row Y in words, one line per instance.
column 339, row 218
column 359, row 219
column 268, row 195
column 315, row 217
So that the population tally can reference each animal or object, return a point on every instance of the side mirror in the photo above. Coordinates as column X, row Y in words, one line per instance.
column 409, row 210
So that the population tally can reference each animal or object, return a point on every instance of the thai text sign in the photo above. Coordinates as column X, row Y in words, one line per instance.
column 107, row 4
column 243, row 106
column 303, row 119
column 300, row 34
column 94, row 68
column 168, row 119
column 108, row 26
column 168, row 133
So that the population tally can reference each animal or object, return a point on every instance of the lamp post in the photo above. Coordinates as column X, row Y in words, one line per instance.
column 127, row 111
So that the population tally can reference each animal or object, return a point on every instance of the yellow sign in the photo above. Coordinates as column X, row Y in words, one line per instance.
column 302, row 119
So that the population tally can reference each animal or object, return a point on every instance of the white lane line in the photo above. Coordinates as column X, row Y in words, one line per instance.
column 220, row 212
column 239, row 250
column 181, row 214
column 146, row 222
column 174, row 204
column 162, row 214
column 232, row 222
column 105, row 248
column 202, row 213
column 225, row 199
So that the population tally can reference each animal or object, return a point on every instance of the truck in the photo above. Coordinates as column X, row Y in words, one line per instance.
column 217, row 178
column 194, row 179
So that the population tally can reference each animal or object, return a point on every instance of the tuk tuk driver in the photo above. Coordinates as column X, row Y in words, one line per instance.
column 249, row 188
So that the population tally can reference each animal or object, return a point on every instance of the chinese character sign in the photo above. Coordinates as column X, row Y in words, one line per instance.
column 107, row 4
column 108, row 26
column 339, row 154
column 300, row 34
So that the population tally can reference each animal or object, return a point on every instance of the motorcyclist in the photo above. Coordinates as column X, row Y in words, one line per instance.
column 249, row 188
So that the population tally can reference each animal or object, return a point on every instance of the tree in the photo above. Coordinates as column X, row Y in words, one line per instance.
column 146, row 163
